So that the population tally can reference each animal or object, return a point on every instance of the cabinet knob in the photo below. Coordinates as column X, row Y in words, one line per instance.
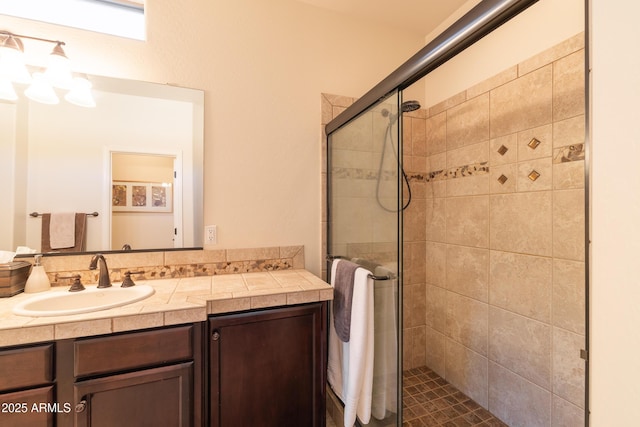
column 81, row 406
column 215, row 335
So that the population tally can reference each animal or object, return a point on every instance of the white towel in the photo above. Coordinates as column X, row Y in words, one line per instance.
column 385, row 367
column 350, row 364
column 62, row 230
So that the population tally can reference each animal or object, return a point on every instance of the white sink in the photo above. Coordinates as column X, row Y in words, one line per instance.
column 52, row 303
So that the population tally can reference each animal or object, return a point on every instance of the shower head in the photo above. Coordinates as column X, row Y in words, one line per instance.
column 405, row 107
column 412, row 105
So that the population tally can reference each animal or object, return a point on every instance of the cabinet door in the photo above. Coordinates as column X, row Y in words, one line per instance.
column 153, row 397
column 267, row 368
column 29, row 408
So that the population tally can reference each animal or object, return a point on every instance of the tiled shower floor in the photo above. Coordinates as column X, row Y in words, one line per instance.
column 428, row 400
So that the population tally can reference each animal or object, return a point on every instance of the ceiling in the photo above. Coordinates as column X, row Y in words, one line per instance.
column 419, row 17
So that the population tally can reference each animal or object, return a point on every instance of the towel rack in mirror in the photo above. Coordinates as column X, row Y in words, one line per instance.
column 36, row 214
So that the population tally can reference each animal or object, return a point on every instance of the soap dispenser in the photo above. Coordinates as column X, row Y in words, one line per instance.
column 38, row 280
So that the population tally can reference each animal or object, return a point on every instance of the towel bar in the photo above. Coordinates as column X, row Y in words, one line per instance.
column 36, row 214
column 370, row 275
column 374, row 277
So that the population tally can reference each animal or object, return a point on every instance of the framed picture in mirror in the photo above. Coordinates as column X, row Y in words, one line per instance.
column 129, row 196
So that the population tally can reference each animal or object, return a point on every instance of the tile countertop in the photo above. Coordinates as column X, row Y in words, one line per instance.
column 175, row 301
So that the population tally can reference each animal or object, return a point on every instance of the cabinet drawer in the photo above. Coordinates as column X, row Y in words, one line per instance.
column 30, row 408
column 132, row 351
column 26, row 367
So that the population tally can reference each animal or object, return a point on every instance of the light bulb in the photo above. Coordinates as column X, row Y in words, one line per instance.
column 41, row 90
column 59, row 71
column 11, row 61
column 80, row 93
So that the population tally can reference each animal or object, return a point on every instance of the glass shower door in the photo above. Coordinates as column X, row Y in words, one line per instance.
column 364, row 194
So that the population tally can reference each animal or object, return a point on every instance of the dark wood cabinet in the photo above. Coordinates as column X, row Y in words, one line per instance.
column 267, row 368
column 27, row 391
column 151, row 397
column 29, row 408
column 145, row 378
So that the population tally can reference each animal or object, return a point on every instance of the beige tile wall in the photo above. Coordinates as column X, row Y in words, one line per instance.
column 493, row 276
column 504, row 276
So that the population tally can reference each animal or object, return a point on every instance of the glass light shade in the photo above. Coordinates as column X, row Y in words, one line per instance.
column 41, row 90
column 59, row 71
column 6, row 90
column 80, row 93
column 12, row 63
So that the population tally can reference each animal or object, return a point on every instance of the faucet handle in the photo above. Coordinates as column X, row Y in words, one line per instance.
column 128, row 281
column 76, row 286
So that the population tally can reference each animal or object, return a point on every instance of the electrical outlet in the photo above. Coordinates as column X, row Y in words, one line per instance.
column 211, row 234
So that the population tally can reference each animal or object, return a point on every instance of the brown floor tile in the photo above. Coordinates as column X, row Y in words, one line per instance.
column 430, row 401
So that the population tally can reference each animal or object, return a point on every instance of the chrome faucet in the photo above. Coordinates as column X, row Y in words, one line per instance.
column 104, row 281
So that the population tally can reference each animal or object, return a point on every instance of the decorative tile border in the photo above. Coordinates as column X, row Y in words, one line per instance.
column 180, row 264
column 440, row 175
column 473, row 169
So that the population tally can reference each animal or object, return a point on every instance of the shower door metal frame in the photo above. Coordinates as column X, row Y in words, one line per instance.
column 329, row 257
column 481, row 20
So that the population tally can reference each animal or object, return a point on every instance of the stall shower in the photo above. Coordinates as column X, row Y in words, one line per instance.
column 489, row 254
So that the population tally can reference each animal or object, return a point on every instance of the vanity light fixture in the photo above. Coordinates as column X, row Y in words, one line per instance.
column 57, row 75
column 58, row 71
column 41, row 90
column 12, row 60
column 80, row 93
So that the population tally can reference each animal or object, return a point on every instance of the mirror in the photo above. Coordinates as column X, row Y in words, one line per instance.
column 64, row 158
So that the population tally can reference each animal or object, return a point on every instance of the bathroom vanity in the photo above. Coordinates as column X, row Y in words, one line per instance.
column 267, row 367
column 256, row 358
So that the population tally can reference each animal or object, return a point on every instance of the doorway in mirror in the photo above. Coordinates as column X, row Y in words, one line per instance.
column 145, row 200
